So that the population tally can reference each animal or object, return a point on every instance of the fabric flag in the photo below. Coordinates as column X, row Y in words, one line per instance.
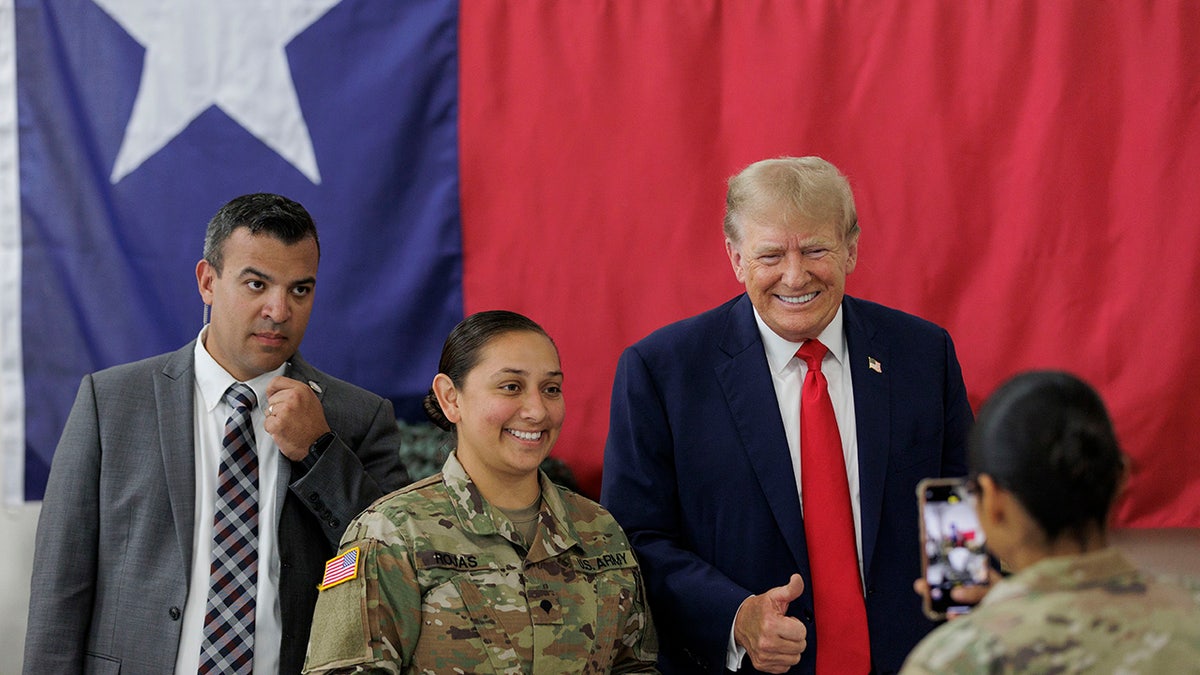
column 139, row 120
column 1024, row 174
column 342, row 568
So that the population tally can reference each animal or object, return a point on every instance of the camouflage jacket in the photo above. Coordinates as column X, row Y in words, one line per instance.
column 443, row 586
column 1084, row 613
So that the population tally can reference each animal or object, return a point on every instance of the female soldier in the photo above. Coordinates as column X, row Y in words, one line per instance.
column 487, row 566
column 1047, row 468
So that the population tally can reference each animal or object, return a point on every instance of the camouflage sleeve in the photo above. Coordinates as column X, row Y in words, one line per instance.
column 368, row 623
column 638, row 652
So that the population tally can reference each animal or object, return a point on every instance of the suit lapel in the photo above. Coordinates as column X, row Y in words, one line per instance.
column 745, row 378
column 301, row 370
column 174, row 391
column 872, row 411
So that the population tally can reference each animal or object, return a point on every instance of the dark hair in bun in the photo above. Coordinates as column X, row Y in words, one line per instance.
column 1046, row 437
column 462, row 348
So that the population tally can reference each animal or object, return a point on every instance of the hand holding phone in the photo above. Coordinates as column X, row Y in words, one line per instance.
column 952, row 545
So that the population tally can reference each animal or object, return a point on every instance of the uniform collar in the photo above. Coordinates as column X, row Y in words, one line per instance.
column 555, row 534
column 1106, row 567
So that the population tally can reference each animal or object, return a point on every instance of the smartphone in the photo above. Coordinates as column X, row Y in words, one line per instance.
column 952, row 544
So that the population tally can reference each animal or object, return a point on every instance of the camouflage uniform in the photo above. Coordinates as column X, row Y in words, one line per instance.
column 443, row 587
column 1083, row 613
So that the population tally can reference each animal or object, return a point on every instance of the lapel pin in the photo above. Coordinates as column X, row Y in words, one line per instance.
column 874, row 365
column 317, row 388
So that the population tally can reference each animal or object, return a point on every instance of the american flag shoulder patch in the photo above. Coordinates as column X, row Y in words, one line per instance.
column 342, row 568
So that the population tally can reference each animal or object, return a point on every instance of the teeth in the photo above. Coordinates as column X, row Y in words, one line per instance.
column 797, row 299
column 526, row 435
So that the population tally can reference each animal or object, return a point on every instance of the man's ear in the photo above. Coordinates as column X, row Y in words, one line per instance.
column 447, row 396
column 851, row 254
column 206, row 274
column 735, row 259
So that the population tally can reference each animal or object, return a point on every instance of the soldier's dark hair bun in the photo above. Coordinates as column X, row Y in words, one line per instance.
column 1046, row 437
column 433, row 410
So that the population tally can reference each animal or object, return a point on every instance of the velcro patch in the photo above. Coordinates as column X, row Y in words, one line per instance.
column 449, row 560
column 342, row 568
column 605, row 561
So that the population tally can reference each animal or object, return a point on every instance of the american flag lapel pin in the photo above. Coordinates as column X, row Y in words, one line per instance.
column 874, row 365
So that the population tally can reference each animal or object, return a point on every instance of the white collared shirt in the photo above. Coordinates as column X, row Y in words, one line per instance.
column 787, row 374
column 209, row 414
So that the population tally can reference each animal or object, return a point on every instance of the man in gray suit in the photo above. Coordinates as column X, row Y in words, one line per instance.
column 125, row 540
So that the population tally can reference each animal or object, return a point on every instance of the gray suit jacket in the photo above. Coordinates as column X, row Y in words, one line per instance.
column 114, row 539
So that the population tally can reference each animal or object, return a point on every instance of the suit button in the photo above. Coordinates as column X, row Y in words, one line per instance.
column 314, row 498
column 175, row 613
column 334, row 522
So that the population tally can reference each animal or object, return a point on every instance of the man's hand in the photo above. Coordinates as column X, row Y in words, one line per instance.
column 773, row 640
column 295, row 418
column 964, row 595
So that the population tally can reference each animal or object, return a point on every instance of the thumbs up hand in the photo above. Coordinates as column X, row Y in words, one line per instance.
column 772, row 640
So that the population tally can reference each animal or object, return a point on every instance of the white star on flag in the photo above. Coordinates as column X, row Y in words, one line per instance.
column 227, row 53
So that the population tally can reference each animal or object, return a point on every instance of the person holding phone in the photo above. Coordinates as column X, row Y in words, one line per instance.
column 953, row 554
column 487, row 566
column 1046, row 467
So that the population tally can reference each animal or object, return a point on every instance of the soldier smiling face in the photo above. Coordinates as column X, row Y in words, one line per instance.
column 507, row 414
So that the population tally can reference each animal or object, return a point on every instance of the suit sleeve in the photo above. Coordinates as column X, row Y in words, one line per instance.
column 689, row 597
column 63, row 584
column 355, row 470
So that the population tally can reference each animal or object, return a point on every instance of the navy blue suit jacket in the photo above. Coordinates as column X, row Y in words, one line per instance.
column 696, row 470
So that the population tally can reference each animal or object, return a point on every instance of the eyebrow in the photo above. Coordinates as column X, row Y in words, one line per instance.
column 306, row 281
column 768, row 246
column 518, row 371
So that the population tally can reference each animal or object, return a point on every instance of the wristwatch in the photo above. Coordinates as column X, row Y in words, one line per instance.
column 314, row 451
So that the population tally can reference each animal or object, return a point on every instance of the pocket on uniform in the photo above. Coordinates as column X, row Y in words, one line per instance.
column 95, row 664
column 615, row 598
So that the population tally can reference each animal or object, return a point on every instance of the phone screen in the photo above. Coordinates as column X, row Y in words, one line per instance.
column 952, row 544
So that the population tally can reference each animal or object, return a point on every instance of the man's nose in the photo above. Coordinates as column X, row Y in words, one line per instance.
column 795, row 270
column 276, row 307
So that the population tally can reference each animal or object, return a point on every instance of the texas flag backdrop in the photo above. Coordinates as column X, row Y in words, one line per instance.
column 1026, row 175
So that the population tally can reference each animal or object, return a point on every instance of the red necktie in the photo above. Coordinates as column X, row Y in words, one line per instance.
column 840, row 613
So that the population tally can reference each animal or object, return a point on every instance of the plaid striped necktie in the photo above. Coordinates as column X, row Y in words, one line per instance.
column 228, row 645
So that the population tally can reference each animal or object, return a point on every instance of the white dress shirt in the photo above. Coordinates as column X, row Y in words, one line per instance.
column 209, row 414
column 787, row 375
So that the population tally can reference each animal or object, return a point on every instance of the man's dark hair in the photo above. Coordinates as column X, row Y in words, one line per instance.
column 261, row 213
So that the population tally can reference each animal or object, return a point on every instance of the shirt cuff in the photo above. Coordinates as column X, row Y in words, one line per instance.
column 734, row 653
